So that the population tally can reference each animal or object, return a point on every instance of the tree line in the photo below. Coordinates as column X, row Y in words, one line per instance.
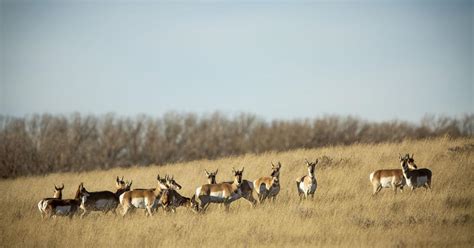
column 40, row 144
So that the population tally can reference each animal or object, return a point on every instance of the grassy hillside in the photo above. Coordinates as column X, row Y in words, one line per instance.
column 343, row 212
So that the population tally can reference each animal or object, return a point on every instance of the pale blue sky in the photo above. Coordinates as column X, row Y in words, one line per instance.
column 378, row 60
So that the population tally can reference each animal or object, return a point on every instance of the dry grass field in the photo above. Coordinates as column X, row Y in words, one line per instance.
column 343, row 212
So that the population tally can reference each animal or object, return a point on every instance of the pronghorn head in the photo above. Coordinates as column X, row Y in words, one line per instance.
column 411, row 161
column 162, row 183
column 276, row 170
column 311, row 166
column 120, row 183
column 83, row 193
column 171, row 183
column 238, row 175
column 211, row 176
column 58, row 191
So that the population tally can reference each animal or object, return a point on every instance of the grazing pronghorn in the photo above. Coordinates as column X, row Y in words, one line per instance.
column 307, row 184
column 388, row 178
column 268, row 187
column 60, row 207
column 211, row 176
column 43, row 203
column 103, row 201
column 171, row 199
column 145, row 198
column 220, row 192
column 246, row 187
column 415, row 178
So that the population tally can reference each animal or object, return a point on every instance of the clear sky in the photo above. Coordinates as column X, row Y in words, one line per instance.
column 378, row 60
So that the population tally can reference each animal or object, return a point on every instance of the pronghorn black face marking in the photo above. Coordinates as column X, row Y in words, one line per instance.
column 238, row 175
column 311, row 166
column 211, row 176
column 172, row 184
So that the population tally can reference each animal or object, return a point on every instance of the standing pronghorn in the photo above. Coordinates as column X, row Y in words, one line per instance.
column 221, row 192
column 144, row 198
column 268, row 187
column 246, row 187
column 171, row 199
column 43, row 203
column 60, row 207
column 307, row 184
column 388, row 178
column 103, row 201
column 415, row 178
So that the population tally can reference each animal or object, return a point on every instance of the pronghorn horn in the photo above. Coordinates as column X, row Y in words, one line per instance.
column 243, row 169
column 306, row 161
column 117, row 179
column 130, row 184
column 317, row 161
column 158, row 177
column 207, row 172
column 273, row 164
column 233, row 169
column 215, row 173
column 412, row 155
column 279, row 165
column 55, row 187
column 122, row 179
column 62, row 186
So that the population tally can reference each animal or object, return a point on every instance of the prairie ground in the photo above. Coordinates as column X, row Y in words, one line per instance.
column 343, row 212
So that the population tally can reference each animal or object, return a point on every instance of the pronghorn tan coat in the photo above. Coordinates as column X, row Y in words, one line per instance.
column 60, row 207
column 143, row 198
column 221, row 192
column 307, row 184
column 246, row 187
column 268, row 187
column 42, row 204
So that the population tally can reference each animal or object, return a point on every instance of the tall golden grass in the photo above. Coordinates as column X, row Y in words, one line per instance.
column 343, row 212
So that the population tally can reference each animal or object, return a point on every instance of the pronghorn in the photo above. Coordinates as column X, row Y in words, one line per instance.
column 221, row 192
column 144, row 198
column 211, row 176
column 307, row 184
column 246, row 187
column 43, row 203
column 388, row 178
column 268, row 186
column 415, row 178
column 171, row 199
column 59, row 207
column 104, row 201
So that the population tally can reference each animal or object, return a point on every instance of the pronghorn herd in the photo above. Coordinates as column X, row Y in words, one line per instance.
column 165, row 195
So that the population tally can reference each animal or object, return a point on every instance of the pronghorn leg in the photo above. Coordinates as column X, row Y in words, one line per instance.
column 377, row 189
column 148, row 208
column 125, row 210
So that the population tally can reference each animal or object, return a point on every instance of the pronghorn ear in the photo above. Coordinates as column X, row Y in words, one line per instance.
column 316, row 162
column 158, row 177
column 207, row 173
column 273, row 166
column 130, row 184
column 122, row 179
column 243, row 169
column 307, row 162
column 233, row 170
column 117, row 180
column 412, row 155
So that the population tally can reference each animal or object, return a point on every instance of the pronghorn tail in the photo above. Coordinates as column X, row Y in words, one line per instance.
column 372, row 176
